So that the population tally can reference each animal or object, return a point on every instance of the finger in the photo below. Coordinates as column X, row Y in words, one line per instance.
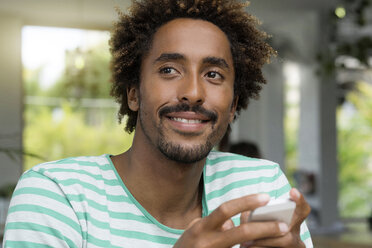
column 244, row 217
column 285, row 241
column 302, row 209
column 228, row 225
column 228, row 209
column 253, row 231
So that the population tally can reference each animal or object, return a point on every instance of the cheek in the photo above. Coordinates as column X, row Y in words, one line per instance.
column 156, row 95
column 222, row 100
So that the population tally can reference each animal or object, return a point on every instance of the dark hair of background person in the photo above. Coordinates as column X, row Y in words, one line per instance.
column 133, row 33
column 246, row 148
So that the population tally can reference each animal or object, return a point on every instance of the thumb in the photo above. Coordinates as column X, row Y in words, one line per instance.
column 193, row 222
column 227, row 225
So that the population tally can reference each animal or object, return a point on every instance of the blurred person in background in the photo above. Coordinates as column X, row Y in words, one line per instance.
column 246, row 148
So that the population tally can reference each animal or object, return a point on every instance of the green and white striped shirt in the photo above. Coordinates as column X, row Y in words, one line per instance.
column 82, row 202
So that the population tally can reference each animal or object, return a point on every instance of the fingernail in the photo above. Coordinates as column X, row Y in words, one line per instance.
column 227, row 225
column 296, row 193
column 247, row 244
column 263, row 197
column 283, row 227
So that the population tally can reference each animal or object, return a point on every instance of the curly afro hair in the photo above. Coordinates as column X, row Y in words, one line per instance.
column 133, row 33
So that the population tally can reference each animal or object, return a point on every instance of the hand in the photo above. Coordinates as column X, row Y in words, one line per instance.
column 218, row 231
column 291, row 239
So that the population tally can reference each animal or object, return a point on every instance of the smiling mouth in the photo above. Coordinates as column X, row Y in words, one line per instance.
column 185, row 115
column 188, row 117
column 187, row 121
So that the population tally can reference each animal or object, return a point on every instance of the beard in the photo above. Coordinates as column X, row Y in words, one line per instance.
column 182, row 153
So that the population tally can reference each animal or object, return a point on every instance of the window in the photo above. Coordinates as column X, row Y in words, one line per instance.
column 68, row 109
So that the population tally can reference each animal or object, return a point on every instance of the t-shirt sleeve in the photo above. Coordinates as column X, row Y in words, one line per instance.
column 40, row 215
column 282, row 191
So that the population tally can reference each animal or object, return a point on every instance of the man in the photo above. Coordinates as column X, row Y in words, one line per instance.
column 181, row 71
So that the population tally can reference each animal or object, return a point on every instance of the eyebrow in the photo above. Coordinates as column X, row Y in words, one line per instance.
column 208, row 60
column 216, row 61
column 170, row 56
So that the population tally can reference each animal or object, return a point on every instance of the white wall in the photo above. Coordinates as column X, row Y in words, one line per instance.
column 262, row 122
column 10, row 97
column 296, row 39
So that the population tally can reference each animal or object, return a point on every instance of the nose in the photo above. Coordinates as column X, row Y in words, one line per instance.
column 191, row 90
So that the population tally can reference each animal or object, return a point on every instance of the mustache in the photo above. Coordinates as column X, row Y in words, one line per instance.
column 183, row 107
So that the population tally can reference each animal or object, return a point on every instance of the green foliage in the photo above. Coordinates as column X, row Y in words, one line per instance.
column 55, row 137
column 86, row 75
column 355, row 156
column 359, row 47
column 72, row 129
column 291, row 145
column 30, row 78
column 355, row 133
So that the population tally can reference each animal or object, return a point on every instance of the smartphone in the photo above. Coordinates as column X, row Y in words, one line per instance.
column 276, row 210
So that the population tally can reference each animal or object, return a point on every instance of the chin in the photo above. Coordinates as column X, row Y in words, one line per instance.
column 186, row 155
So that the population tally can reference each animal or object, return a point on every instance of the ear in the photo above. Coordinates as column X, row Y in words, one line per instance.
column 233, row 109
column 133, row 99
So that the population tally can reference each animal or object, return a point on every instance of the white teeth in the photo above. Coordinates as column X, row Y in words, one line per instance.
column 186, row 120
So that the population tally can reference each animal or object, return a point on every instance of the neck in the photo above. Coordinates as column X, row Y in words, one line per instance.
column 171, row 192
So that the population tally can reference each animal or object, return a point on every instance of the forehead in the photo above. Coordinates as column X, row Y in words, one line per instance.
column 192, row 38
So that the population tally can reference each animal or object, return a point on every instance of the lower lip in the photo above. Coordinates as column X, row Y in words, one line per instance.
column 187, row 127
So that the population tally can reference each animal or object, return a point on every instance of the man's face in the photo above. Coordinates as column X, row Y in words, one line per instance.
column 186, row 94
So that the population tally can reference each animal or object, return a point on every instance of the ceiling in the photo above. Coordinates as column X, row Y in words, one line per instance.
column 91, row 14
column 99, row 14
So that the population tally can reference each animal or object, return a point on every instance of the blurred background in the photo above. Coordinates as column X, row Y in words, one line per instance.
column 314, row 117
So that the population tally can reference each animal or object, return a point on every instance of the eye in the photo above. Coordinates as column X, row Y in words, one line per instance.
column 167, row 70
column 214, row 75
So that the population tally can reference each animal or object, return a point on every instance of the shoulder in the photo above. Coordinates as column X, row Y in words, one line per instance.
column 85, row 165
column 228, row 176
column 76, row 174
column 217, row 161
column 50, row 196
column 73, row 162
